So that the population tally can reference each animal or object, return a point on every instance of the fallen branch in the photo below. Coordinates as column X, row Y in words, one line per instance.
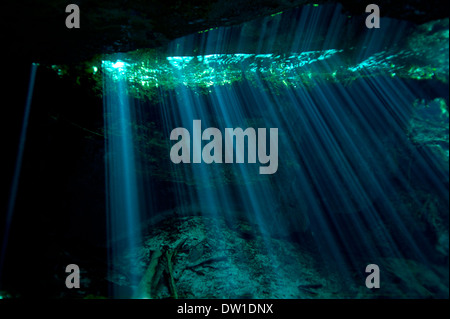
column 170, row 255
column 145, row 286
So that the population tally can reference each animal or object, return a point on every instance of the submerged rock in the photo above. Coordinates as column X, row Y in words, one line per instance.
column 220, row 260
column 210, row 258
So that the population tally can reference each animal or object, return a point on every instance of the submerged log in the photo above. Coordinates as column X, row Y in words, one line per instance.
column 145, row 285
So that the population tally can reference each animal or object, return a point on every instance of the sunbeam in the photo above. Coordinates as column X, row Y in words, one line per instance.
column 18, row 166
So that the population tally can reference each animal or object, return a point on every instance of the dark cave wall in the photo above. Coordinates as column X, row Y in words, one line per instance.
column 35, row 30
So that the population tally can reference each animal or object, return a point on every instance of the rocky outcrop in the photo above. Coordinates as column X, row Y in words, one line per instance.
column 198, row 257
column 212, row 259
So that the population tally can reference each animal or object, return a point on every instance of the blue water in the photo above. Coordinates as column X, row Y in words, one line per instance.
column 350, row 181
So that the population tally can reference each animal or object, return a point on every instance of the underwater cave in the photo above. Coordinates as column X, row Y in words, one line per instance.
column 362, row 150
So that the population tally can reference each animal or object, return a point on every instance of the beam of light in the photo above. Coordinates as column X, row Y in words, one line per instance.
column 17, row 169
column 124, row 189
